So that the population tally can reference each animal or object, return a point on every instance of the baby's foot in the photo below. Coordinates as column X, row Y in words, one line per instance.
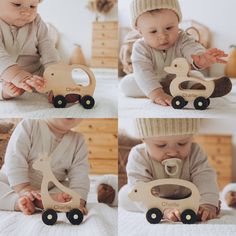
column 25, row 205
column 9, row 90
column 61, row 197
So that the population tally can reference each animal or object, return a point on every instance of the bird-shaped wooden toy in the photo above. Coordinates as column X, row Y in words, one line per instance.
column 147, row 194
column 49, row 216
column 63, row 89
column 181, row 96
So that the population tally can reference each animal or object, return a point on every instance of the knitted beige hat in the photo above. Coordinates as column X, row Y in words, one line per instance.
column 137, row 7
column 152, row 127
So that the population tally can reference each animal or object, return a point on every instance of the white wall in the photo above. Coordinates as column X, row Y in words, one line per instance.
column 218, row 15
column 74, row 22
column 208, row 126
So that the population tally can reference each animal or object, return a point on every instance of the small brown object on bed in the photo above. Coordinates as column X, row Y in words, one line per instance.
column 230, row 199
column 106, row 194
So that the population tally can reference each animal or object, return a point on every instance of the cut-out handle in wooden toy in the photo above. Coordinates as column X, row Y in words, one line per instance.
column 180, row 67
column 43, row 164
column 141, row 192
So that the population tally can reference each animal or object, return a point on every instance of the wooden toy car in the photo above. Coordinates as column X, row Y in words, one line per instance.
column 63, row 89
column 181, row 97
column 49, row 216
column 187, row 207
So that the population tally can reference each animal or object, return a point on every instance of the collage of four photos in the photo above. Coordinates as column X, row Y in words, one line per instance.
column 117, row 117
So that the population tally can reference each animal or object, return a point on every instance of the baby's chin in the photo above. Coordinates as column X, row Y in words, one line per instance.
column 21, row 23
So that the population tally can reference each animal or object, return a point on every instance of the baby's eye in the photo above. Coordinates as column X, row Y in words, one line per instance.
column 161, row 146
column 182, row 144
column 169, row 28
column 32, row 6
column 153, row 32
column 16, row 4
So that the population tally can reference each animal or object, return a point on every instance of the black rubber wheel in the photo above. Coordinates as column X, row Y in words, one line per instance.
column 208, row 102
column 201, row 103
column 178, row 102
column 75, row 216
column 49, row 217
column 154, row 216
column 87, row 102
column 188, row 216
column 59, row 101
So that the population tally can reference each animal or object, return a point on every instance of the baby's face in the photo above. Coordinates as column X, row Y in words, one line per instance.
column 18, row 12
column 161, row 148
column 159, row 28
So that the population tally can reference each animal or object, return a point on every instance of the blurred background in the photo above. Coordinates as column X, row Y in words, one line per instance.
column 74, row 22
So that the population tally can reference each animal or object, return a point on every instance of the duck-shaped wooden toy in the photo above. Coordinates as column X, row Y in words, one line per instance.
column 63, row 89
column 181, row 96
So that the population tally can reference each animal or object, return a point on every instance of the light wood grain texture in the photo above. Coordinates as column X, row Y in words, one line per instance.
column 59, row 80
column 220, row 153
column 101, row 138
column 142, row 192
column 43, row 164
column 180, row 67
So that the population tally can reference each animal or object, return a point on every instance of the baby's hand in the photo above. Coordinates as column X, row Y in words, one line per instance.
column 26, row 201
column 82, row 208
column 36, row 82
column 208, row 58
column 9, row 90
column 61, row 197
column 160, row 97
column 207, row 212
column 172, row 214
column 25, row 205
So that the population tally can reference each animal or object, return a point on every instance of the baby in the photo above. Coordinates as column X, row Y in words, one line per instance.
column 25, row 48
column 162, row 41
column 165, row 142
column 20, row 183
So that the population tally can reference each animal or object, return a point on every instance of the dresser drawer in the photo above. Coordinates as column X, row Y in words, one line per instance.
column 105, row 152
column 105, row 34
column 105, row 52
column 101, row 139
column 214, row 139
column 214, row 149
column 105, row 62
column 97, row 126
column 105, row 43
column 106, row 25
column 103, row 166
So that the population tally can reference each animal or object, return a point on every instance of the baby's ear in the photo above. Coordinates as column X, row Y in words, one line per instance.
column 139, row 30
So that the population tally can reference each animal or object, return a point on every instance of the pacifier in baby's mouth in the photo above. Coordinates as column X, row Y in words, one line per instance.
column 172, row 167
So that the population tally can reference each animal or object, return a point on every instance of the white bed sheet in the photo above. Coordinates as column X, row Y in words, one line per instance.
column 100, row 221
column 143, row 107
column 36, row 105
column 134, row 223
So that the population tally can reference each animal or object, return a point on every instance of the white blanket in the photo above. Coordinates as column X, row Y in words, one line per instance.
column 134, row 223
column 100, row 221
column 143, row 107
column 36, row 105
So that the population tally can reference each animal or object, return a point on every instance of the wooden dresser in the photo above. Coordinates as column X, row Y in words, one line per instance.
column 105, row 44
column 219, row 151
column 101, row 138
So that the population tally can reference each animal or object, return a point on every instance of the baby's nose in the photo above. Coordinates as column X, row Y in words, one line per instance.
column 25, row 12
column 172, row 153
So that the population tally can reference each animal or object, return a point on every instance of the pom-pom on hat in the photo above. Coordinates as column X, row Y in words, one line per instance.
column 152, row 127
column 138, row 7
